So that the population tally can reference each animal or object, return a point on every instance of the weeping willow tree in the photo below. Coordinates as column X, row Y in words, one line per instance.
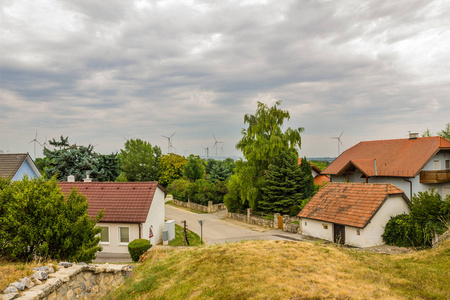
column 262, row 141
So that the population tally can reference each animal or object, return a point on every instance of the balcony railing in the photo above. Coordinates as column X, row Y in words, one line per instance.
column 435, row 176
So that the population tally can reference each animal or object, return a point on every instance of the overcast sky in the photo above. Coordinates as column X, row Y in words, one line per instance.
column 102, row 71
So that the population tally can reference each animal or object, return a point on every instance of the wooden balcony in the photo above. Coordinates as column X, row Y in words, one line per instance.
column 435, row 176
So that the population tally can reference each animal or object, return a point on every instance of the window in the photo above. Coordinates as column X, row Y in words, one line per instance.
column 358, row 232
column 436, row 165
column 104, row 235
column 447, row 164
column 325, row 226
column 306, row 223
column 124, row 235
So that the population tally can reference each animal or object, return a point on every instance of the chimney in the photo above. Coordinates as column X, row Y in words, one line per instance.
column 70, row 178
column 87, row 179
column 413, row 135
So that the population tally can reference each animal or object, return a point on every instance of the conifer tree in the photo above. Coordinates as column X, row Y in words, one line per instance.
column 282, row 185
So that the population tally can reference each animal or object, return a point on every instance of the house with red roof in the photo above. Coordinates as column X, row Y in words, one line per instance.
column 352, row 213
column 414, row 165
column 132, row 210
column 319, row 179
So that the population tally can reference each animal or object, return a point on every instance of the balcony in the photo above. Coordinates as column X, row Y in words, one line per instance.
column 435, row 176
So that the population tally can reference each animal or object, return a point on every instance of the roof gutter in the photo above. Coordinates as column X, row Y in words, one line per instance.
column 410, row 187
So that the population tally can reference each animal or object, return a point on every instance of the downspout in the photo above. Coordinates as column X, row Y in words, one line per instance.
column 140, row 225
column 410, row 187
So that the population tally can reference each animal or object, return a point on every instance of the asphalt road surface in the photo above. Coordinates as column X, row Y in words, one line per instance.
column 217, row 229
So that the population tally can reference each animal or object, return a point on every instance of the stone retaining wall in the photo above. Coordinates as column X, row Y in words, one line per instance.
column 209, row 209
column 251, row 219
column 76, row 282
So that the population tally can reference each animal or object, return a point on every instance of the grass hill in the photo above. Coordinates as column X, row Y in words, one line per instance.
column 288, row 270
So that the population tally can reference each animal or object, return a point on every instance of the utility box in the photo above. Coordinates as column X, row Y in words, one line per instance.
column 165, row 237
column 170, row 227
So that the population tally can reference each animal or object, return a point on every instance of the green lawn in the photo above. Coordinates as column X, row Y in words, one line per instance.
column 194, row 239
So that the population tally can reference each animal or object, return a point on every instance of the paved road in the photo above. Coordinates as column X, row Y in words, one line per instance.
column 217, row 229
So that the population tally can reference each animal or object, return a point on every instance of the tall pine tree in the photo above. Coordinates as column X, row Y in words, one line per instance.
column 282, row 187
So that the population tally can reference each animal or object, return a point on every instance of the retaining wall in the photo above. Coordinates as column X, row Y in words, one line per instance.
column 209, row 209
column 78, row 282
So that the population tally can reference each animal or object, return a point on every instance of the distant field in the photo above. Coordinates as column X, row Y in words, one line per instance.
column 288, row 270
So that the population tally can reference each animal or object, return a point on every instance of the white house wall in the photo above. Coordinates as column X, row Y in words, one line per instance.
column 316, row 229
column 114, row 246
column 155, row 218
column 371, row 234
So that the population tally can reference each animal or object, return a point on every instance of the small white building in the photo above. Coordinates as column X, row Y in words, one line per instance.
column 353, row 213
column 131, row 211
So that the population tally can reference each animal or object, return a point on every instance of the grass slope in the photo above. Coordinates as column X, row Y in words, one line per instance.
column 288, row 270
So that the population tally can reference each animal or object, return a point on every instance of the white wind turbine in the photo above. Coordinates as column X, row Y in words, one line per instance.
column 338, row 138
column 35, row 141
column 169, row 143
column 215, row 143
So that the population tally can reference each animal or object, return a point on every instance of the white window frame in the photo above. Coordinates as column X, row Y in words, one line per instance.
column 447, row 164
column 119, row 237
column 109, row 235
column 436, row 164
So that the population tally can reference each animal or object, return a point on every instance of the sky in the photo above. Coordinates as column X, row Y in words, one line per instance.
column 101, row 72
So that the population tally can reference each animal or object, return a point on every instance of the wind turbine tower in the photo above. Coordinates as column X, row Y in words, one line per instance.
column 338, row 138
column 35, row 141
column 169, row 143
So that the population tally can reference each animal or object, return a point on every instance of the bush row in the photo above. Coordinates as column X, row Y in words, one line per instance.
column 200, row 191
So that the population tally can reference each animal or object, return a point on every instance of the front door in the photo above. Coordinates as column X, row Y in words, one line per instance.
column 280, row 222
column 339, row 234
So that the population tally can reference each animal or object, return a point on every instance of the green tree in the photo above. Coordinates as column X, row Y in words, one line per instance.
column 37, row 220
column 306, row 179
column 194, row 168
column 262, row 141
column 171, row 168
column 221, row 171
column 282, row 188
column 429, row 216
column 139, row 161
column 445, row 133
column 65, row 160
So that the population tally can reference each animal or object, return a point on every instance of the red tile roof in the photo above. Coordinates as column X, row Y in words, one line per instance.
column 399, row 158
column 122, row 202
column 321, row 179
column 351, row 204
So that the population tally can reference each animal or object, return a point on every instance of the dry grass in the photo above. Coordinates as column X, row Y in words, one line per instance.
column 10, row 272
column 288, row 270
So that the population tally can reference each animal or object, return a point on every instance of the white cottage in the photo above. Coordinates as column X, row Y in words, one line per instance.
column 352, row 213
column 131, row 211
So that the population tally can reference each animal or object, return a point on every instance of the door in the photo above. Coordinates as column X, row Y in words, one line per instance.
column 339, row 234
column 280, row 222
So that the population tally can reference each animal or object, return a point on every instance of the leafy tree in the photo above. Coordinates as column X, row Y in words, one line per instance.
column 37, row 220
column 427, row 133
column 77, row 160
column 139, row 161
column 429, row 214
column 171, row 168
column 282, row 187
column 194, row 168
column 445, row 133
column 321, row 164
column 262, row 141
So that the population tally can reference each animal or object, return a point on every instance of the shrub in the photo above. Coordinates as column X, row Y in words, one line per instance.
column 138, row 247
column 38, row 221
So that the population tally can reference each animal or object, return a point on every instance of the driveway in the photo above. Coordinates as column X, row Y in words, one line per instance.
column 217, row 229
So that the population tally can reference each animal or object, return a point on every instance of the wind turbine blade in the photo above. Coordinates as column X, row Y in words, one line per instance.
column 172, row 134
column 341, row 133
column 340, row 142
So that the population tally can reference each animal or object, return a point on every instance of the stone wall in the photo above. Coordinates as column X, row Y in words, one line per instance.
column 75, row 282
column 251, row 219
column 209, row 209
